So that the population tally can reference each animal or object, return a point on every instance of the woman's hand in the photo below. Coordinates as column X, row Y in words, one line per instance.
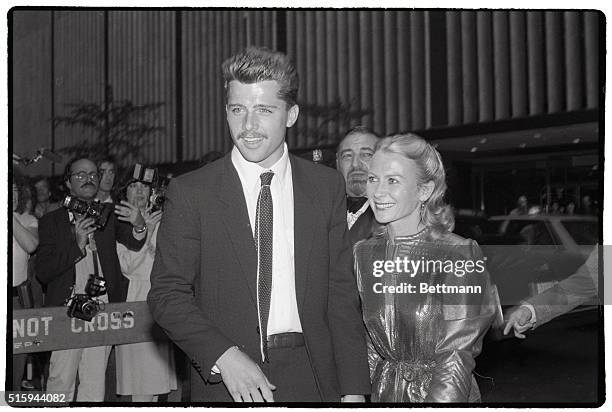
column 152, row 218
column 127, row 212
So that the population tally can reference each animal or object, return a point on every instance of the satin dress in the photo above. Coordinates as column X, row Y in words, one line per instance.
column 422, row 344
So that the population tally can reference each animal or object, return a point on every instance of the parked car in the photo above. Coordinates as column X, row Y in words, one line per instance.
column 527, row 254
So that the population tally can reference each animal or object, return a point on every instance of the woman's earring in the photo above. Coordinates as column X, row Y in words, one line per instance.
column 422, row 210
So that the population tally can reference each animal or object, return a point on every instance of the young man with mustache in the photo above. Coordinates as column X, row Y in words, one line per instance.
column 64, row 261
column 253, row 273
column 353, row 158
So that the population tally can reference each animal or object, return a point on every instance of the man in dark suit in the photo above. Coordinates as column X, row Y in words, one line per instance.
column 353, row 158
column 64, row 261
column 253, row 273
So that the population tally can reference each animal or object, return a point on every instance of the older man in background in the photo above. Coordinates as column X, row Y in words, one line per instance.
column 353, row 159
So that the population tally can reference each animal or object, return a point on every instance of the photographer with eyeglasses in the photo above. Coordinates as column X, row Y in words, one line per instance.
column 77, row 254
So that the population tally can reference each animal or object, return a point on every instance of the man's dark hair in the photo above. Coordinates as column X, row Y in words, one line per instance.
column 67, row 169
column 106, row 159
column 361, row 129
column 258, row 64
column 357, row 129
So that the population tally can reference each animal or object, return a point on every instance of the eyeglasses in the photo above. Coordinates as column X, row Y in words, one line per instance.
column 80, row 176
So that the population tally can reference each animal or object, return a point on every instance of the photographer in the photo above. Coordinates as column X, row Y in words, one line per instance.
column 146, row 369
column 73, row 246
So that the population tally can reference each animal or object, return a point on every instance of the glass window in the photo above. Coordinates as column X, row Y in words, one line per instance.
column 529, row 232
column 583, row 233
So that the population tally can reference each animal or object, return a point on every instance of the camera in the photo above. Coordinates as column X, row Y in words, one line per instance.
column 100, row 212
column 157, row 182
column 158, row 194
column 95, row 286
column 81, row 306
column 84, row 305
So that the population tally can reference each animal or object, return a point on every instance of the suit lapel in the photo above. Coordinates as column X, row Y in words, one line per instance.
column 303, row 233
column 236, row 219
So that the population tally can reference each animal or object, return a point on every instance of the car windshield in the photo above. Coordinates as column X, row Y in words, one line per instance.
column 583, row 233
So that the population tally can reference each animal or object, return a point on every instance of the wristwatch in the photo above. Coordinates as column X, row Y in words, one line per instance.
column 140, row 230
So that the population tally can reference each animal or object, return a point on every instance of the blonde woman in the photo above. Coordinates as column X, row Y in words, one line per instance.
column 422, row 339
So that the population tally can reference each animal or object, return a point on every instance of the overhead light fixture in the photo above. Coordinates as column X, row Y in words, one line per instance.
column 473, row 149
column 576, row 140
column 523, row 145
column 537, row 135
column 483, row 140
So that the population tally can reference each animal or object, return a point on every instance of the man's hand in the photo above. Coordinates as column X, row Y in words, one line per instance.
column 519, row 321
column 127, row 212
column 353, row 398
column 82, row 228
column 243, row 378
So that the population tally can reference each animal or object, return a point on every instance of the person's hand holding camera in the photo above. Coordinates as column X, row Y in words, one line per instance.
column 82, row 228
column 151, row 220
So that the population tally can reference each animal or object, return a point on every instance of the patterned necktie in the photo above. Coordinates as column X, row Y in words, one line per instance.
column 263, row 242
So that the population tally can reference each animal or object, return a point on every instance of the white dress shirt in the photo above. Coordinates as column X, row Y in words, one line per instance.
column 283, row 303
column 351, row 218
column 85, row 267
column 20, row 256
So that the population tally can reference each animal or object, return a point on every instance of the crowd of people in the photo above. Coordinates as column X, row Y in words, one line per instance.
column 559, row 205
column 66, row 248
column 261, row 266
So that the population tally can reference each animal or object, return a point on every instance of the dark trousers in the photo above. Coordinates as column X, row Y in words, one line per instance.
column 289, row 370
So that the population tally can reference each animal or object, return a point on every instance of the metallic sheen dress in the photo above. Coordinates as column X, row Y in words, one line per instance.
column 422, row 340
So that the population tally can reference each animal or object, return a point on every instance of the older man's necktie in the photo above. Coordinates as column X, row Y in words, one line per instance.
column 263, row 241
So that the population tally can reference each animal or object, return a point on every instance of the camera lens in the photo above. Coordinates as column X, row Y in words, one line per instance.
column 88, row 308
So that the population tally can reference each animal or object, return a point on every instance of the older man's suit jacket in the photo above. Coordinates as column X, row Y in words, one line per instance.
column 58, row 252
column 203, row 283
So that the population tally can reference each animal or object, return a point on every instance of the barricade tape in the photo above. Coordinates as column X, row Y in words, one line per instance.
column 48, row 329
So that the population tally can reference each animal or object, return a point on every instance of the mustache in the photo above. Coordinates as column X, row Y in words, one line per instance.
column 88, row 183
column 251, row 135
column 359, row 171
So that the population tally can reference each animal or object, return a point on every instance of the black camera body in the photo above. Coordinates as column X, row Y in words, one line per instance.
column 157, row 182
column 158, row 194
column 100, row 212
column 84, row 305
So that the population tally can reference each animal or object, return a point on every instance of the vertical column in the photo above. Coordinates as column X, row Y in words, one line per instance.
column 417, row 68
column 485, row 65
column 574, row 60
column 404, row 91
column 501, row 64
column 378, row 71
column 455, row 87
column 591, row 50
column 555, row 75
column 469, row 67
column 536, row 62
column 518, row 64
column 391, row 72
column 365, row 65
